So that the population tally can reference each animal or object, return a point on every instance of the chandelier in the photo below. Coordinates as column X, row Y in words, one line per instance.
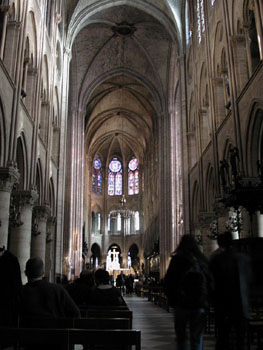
column 124, row 212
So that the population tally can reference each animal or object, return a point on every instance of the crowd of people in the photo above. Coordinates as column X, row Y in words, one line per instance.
column 192, row 284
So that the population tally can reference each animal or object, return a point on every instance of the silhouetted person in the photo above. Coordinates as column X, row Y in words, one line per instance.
column 41, row 299
column 232, row 276
column 186, row 285
column 10, row 290
column 120, row 281
column 81, row 289
column 105, row 293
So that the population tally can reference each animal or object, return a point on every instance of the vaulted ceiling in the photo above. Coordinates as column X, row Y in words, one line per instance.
column 121, row 58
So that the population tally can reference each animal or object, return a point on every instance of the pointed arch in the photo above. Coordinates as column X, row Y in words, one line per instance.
column 2, row 136
column 22, row 164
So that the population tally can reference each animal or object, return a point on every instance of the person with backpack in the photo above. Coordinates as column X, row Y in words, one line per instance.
column 187, row 284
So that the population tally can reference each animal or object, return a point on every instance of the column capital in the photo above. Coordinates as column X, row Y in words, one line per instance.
column 238, row 38
column 8, row 177
column 205, row 218
column 52, row 220
column 217, row 81
column 42, row 212
column 4, row 8
column 27, row 197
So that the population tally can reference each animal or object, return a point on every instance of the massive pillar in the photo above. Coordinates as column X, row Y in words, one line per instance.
column 20, row 236
column 8, row 177
column 42, row 212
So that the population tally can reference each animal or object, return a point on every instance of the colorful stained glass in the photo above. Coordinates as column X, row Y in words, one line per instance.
column 96, row 176
column 133, row 164
column 115, row 165
column 133, row 177
column 136, row 182
column 97, row 163
column 131, row 183
column 118, row 184
column 115, row 178
column 111, row 184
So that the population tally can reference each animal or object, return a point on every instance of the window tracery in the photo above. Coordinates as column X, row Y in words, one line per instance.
column 115, row 178
column 133, row 177
column 200, row 18
column 96, row 176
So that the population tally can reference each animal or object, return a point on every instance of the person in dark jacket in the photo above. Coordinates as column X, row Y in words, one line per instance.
column 81, row 289
column 42, row 299
column 186, row 285
column 232, row 275
column 10, row 290
column 105, row 293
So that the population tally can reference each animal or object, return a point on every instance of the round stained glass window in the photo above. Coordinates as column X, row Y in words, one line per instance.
column 115, row 165
column 97, row 163
column 133, row 164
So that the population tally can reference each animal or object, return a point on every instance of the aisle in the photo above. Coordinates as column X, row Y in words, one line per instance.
column 156, row 325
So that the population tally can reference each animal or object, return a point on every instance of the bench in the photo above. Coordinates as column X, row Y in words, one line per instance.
column 104, row 313
column 83, row 323
column 67, row 338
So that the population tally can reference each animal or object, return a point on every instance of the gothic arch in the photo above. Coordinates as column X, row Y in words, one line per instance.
column 52, row 197
column 95, row 258
column 191, row 133
column 254, row 139
column 218, row 45
column 210, row 188
column 205, row 129
column 39, row 182
column 195, row 205
column 2, row 136
column 22, row 164
column 252, row 20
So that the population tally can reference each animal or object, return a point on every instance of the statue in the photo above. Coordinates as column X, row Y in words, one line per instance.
column 234, row 160
column 224, row 173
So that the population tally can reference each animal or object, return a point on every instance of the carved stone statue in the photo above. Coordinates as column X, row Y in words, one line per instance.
column 234, row 161
column 224, row 173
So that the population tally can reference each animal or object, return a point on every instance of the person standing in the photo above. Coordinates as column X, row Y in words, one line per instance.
column 187, row 283
column 232, row 275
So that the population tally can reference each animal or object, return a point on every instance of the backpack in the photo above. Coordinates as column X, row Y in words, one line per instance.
column 193, row 287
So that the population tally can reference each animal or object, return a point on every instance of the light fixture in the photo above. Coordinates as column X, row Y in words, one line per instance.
column 124, row 212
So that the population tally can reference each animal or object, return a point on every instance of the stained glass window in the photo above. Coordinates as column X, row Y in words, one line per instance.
column 97, row 176
column 115, row 178
column 200, row 18
column 212, row 2
column 188, row 32
column 133, row 177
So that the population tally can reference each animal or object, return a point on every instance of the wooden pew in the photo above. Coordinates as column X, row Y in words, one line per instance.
column 66, row 338
column 108, row 314
column 83, row 323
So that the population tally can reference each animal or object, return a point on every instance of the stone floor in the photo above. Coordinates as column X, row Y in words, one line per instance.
column 156, row 325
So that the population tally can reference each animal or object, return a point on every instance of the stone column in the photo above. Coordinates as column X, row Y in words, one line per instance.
column 20, row 236
column 260, row 223
column 11, row 46
column 38, row 246
column 50, row 252
column 4, row 12
column 218, row 89
column 8, row 177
